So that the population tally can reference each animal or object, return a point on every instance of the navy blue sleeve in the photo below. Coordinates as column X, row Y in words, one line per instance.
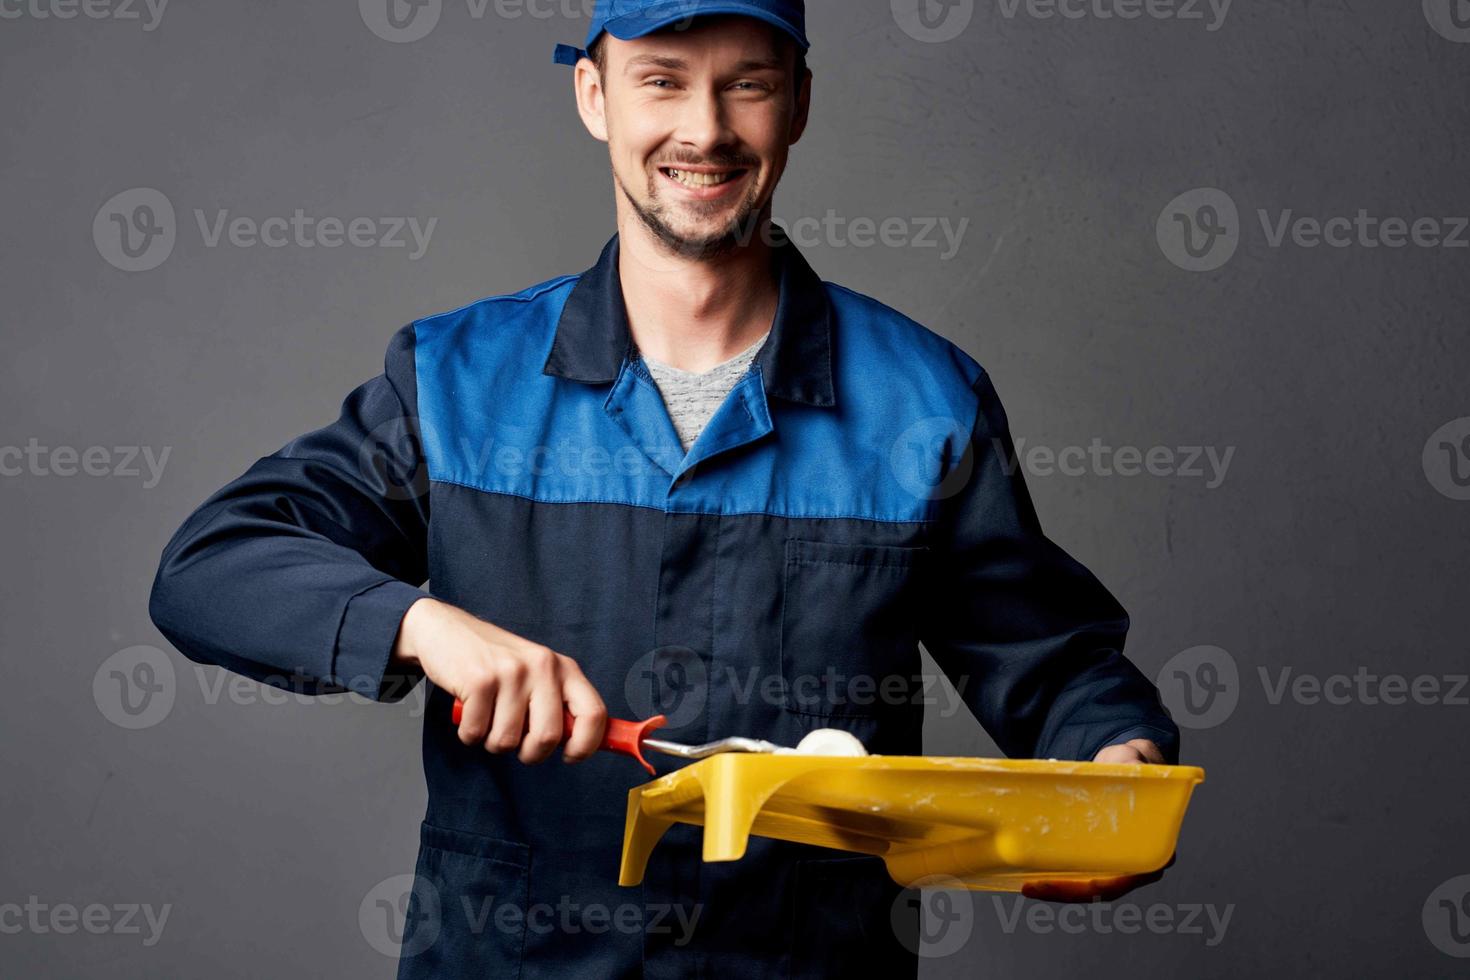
column 298, row 573
column 1037, row 638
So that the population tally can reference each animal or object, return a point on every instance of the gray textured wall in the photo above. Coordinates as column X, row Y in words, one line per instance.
column 1334, row 376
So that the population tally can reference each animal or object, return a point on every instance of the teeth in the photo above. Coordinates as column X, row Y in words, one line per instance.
column 700, row 180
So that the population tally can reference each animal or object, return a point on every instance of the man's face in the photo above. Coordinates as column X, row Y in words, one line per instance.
column 699, row 123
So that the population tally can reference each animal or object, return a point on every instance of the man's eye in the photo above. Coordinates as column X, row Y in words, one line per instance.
column 661, row 82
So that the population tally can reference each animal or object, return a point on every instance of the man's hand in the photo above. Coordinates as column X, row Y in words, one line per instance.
column 513, row 690
column 1094, row 889
column 1137, row 751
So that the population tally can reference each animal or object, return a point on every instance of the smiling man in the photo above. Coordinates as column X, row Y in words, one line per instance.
column 694, row 479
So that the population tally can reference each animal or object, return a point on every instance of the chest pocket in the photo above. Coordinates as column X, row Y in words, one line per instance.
column 849, row 630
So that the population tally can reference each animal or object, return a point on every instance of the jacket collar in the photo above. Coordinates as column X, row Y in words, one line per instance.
column 593, row 339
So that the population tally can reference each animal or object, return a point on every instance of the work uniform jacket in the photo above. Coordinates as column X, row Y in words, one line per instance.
column 855, row 495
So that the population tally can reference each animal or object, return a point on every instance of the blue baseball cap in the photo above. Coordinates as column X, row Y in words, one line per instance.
column 628, row 19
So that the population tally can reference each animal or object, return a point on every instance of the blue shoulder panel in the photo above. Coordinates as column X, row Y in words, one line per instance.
column 493, row 421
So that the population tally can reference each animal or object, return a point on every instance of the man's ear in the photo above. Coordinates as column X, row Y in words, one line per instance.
column 591, row 98
column 803, row 107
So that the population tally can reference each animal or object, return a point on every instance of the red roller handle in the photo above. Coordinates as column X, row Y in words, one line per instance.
column 620, row 735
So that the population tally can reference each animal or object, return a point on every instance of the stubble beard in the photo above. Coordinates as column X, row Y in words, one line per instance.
column 737, row 232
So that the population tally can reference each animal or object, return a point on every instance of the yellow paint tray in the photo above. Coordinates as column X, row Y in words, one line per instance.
column 990, row 824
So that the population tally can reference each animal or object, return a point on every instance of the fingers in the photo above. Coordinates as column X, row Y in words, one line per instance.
column 1151, row 753
column 514, row 694
column 1094, row 889
column 1076, row 891
column 586, row 706
column 1138, row 750
column 474, row 721
column 1054, row 891
column 543, row 720
column 509, row 722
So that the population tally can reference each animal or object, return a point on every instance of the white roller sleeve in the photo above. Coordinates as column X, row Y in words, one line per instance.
column 827, row 741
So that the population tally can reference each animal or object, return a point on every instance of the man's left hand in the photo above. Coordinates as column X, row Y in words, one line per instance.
column 1137, row 751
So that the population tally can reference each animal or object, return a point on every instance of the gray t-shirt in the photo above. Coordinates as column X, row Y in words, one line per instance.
column 692, row 399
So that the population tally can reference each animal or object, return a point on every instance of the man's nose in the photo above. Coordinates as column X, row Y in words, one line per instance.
column 704, row 123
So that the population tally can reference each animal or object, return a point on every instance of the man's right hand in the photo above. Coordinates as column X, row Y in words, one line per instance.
column 513, row 689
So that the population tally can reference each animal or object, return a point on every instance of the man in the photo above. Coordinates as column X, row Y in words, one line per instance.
column 694, row 479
